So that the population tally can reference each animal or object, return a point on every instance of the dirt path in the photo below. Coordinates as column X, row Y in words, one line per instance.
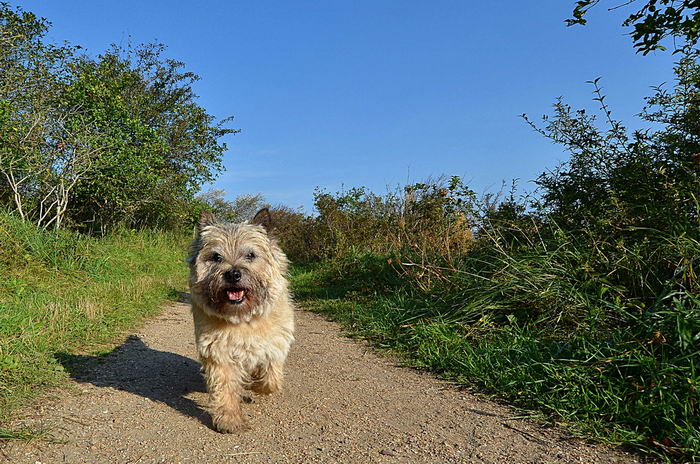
column 342, row 403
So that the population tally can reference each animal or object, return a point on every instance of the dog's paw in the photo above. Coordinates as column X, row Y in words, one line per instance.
column 270, row 382
column 266, row 388
column 227, row 423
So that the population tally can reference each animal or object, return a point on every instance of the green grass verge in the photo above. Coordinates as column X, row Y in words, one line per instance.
column 67, row 292
column 613, row 388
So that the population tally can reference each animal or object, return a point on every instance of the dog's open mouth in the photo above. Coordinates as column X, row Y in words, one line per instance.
column 236, row 295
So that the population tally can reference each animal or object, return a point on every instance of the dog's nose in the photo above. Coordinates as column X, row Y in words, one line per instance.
column 233, row 275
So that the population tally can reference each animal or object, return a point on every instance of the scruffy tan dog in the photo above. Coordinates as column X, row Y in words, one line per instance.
column 243, row 313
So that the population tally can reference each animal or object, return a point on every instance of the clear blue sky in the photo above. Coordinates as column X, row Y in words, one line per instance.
column 376, row 92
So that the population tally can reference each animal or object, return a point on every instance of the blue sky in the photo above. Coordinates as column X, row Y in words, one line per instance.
column 377, row 92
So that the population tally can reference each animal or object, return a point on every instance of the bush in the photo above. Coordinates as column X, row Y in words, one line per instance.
column 96, row 143
column 436, row 215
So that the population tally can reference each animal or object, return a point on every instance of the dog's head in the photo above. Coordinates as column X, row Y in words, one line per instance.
column 236, row 270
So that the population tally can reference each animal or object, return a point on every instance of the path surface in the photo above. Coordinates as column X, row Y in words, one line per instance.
column 342, row 403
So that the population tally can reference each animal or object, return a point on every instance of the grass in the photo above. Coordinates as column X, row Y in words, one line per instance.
column 535, row 334
column 64, row 292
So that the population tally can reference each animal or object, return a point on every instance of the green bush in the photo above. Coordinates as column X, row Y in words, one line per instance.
column 94, row 143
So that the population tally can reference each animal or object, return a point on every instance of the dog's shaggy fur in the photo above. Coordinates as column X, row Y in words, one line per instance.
column 243, row 313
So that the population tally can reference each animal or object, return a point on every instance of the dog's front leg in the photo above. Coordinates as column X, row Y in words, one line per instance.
column 269, row 379
column 225, row 384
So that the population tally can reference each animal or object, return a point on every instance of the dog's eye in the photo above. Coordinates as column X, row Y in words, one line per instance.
column 216, row 257
column 250, row 256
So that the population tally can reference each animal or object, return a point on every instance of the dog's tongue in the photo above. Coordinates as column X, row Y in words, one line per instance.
column 237, row 295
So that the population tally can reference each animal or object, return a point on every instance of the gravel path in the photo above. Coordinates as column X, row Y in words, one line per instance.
column 342, row 403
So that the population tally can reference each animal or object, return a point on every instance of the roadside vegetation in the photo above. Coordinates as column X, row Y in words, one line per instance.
column 62, row 291
column 579, row 303
column 101, row 160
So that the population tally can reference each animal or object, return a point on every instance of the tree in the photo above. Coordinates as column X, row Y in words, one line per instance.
column 162, row 145
column 99, row 141
column 41, row 159
column 653, row 22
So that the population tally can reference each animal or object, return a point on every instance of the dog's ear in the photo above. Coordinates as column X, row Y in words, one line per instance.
column 206, row 218
column 263, row 218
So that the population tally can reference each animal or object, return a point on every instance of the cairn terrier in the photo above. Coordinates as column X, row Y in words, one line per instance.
column 243, row 313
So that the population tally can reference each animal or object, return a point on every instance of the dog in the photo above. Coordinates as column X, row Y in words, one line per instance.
column 243, row 313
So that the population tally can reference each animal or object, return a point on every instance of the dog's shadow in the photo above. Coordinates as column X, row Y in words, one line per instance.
column 136, row 368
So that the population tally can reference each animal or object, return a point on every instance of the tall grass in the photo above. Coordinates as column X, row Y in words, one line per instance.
column 539, row 327
column 62, row 291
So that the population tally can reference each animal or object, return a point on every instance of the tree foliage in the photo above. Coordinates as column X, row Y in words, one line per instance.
column 99, row 141
column 37, row 172
column 653, row 22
